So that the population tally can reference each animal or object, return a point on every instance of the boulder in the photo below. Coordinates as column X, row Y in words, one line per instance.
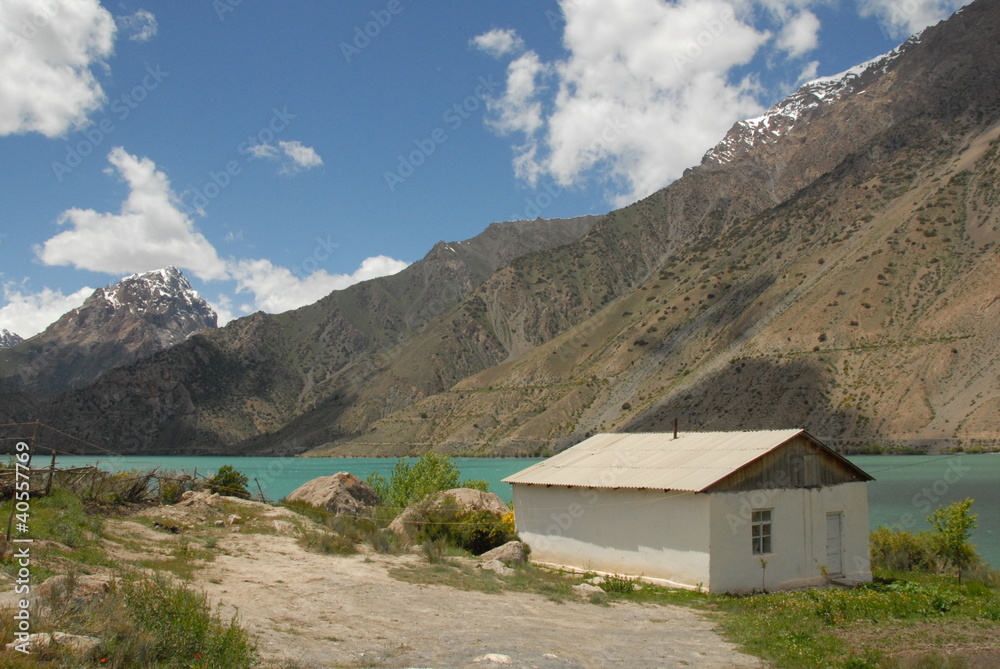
column 73, row 589
column 342, row 493
column 495, row 658
column 587, row 589
column 511, row 552
column 497, row 567
column 407, row 524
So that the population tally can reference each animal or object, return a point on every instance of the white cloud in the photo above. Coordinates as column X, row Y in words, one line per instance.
column 498, row 42
column 28, row 313
column 297, row 156
column 47, row 52
column 900, row 18
column 643, row 92
column 223, row 306
column 149, row 232
column 142, row 25
column 276, row 289
column 263, row 150
column 800, row 34
column 301, row 157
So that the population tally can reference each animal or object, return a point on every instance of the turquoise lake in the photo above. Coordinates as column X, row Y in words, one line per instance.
column 905, row 490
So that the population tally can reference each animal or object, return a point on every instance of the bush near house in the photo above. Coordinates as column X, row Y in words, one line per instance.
column 408, row 484
column 946, row 545
column 473, row 531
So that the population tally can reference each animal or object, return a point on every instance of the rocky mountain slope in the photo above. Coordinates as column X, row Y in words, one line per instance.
column 116, row 325
column 254, row 375
column 838, row 272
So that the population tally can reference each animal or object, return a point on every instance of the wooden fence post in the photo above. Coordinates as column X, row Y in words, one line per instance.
column 52, row 472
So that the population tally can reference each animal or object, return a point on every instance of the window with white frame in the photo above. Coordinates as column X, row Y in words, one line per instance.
column 760, row 531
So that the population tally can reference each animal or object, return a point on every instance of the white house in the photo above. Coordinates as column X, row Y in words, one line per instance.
column 724, row 511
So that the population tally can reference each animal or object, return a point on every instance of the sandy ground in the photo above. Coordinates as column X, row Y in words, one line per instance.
column 322, row 610
column 318, row 610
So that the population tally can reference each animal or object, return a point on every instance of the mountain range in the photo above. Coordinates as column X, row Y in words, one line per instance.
column 830, row 265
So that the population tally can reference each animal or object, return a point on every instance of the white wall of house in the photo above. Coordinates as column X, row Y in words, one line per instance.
column 799, row 543
column 689, row 539
column 650, row 533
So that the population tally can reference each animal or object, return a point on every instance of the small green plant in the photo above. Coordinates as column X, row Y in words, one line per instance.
column 321, row 541
column 619, row 585
column 229, row 481
column 435, row 550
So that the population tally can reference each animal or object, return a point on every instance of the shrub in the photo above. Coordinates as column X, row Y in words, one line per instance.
column 329, row 542
column 408, row 484
column 173, row 487
column 473, row 531
column 157, row 623
column 946, row 543
column 229, row 481
column 899, row 550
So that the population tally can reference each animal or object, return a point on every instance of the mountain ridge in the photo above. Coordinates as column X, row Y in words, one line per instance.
column 254, row 374
column 116, row 325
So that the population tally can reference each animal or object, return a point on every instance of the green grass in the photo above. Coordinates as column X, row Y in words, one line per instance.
column 833, row 627
column 141, row 621
column 61, row 518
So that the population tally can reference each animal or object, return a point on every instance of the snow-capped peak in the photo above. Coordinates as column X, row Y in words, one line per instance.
column 157, row 291
column 9, row 339
column 782, row 117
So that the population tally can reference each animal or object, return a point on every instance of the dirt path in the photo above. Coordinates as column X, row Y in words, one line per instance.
column 322, row 610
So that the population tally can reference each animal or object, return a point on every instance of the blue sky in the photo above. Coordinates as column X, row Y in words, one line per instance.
column 278, row 151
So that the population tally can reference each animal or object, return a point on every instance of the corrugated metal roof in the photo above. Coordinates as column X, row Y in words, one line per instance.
column 692, row 462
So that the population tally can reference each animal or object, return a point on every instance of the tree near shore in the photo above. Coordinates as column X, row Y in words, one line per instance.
column 952, row 525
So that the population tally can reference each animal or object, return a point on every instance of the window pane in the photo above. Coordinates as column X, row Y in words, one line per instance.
column 760, row 531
